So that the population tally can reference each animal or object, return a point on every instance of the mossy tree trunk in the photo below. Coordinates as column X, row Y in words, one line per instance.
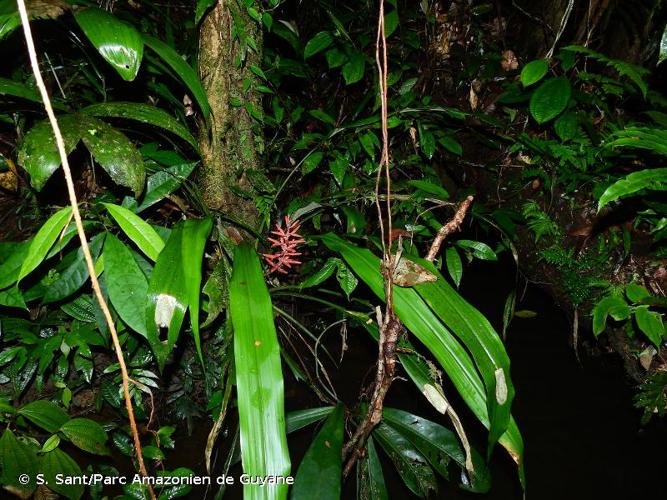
column 232, row 141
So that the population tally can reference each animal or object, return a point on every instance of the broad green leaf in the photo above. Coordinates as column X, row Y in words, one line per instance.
column 450, row 143
column 182, row 69
column 10, row 267
column 311, row 162
column 613, row 306
column 370, row 480
column 479, row 249
column 534, row 71
column 12, row 297
column 18, row 89
column 454, row 265
column 636, row 293
column 259, row 379
column 38, row 153
column 412, row 466
column 17, row 459
column 51, row 444
column 143, row 113
column 75, row 275
column 116, row 41
column 346, row 279
column 390, row 22
column 319, row 474
column 201, row 8
column 115, row 152
column 431, row 188
column 354, row 69
column 422, row 322
column 86, row 434
column 650, row 323
column 126, row 284
column 299, row 419
column 44, row 240
column 651, row 179
column 550, row 99
column 322, row 275
column 57, row 462
column 317, row 44
column 163, row 183
column 139, row 231
column 437, row 444
column 195, row 235
column 45, row 414
column 566, row 126
column 335, row 58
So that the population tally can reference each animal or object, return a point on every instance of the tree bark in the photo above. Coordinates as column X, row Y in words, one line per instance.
column 231, row 142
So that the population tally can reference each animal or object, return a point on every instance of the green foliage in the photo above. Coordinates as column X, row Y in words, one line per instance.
column 652, row 396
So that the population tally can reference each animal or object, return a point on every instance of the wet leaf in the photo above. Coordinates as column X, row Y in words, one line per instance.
column 116, row 41
column 114, row 152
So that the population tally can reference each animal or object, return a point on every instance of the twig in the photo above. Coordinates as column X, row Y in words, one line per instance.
column 449, row 228
column 82, row 235
column 561, row 29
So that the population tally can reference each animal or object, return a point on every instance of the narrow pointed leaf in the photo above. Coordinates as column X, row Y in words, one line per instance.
column 164, row 182
column 195, row 234
column 412, row 466
column 143, row 113
column 44, row 240
column 126, row 284
column 116, row 41
column 38, row 153
column 370, row 482
column 139, row 231
column 299, row 419
column 652, row 179
column 423, row 323
column 259, row 379
column 18, row 89
column 182, row 69
column 115, row 152
column 319, row 474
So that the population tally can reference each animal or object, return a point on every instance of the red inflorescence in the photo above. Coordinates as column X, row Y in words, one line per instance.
column 286, row 241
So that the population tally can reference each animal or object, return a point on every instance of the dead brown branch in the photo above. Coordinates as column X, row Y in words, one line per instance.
column 453, row 225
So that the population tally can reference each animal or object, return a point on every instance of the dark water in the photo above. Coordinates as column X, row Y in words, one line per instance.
column 582, row 435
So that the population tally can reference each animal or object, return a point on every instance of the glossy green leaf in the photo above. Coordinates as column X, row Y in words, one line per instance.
column 652, row 179
column 534, row 71
column 86, row 434
column 44, row 240
column 479, row 249
column 438, row 445
column 485, row 345
column 370, row 480
column 390, row 22
column 38, row 153
column 201, row 8
column 17, row 459
column 127, row 286
column 613, row 306
column 139, row 231
column 144, row 113
column 115, row 152
column 454, row 265
column 311, row 162
column 259, row 379
column 182, row 69
column 354, row 69
column 51, row 444
column 550, row 99
column 317, row 44
column 10, row 267
column 650, row 323
column 319, row 474
column 12, row 297
column 299, row 419
column 566, row 126
column 412, row 466
column 422, row 322
column 75, row 275
column 9, row 17
column 18, row 89
column 58, row 462
column 163, row 183
column 45, row 414
column 636, row 293
column 195, row 235
column 116, row 41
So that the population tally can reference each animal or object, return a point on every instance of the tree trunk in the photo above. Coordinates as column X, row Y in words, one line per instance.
column 231, row 143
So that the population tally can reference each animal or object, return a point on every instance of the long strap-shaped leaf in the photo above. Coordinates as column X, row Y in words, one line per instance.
column 423, row 323
column 259, row 378
column 474, row 330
